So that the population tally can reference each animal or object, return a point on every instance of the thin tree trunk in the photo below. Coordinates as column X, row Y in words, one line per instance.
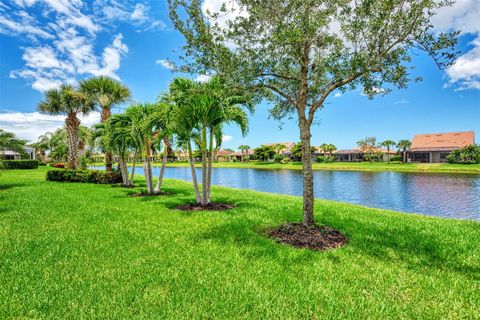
column 209, row 170
column 72, row 125
column 108, row 155
column 133, row 169
column 388, row 155
column 123, row 169
column 308, row 196
column 162, row 169
column 204, row 167
column 198, row 197
column 147, row 168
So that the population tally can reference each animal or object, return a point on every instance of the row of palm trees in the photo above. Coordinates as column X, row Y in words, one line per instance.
column 190, row 115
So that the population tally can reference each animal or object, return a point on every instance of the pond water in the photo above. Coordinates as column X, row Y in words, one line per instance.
column 443, row 195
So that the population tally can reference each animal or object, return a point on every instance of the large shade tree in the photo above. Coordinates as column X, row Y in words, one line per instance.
column 106, row 93
column 297, row 53
column 69, row 101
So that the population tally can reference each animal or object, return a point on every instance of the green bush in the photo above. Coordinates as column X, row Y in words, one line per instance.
column 467, row 155
column 85, row 176
column 396, row 158
column 278, row 158
column 325, row 159
column 20, row 164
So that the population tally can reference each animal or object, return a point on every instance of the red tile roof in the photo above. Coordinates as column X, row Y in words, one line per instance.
column 442, row 141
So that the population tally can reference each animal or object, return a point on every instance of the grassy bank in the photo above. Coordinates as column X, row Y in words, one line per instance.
column 89, row 251
column 355, row 166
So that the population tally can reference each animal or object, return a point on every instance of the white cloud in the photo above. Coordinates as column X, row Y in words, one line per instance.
column 139, row 12
column 463, row 16
column 402, row 101
column 30, row 125
column 60, row 37
column 227, row 138
column 233, row 10
column 465, row 72
column 337, row 95
column 202, row 78
column 165, row 64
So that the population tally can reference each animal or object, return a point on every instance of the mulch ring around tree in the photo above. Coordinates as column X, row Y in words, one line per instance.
column 298, row 235
column 145, row 194
column 214, row 206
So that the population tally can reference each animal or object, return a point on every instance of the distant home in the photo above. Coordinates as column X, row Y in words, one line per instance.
column 287, row 151
column 238, row 154
column 8, row 154
column 435, row 147
column 223, row 155
column 356, row 155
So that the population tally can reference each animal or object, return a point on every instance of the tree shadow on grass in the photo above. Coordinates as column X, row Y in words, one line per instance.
column 7, row 186
column 249, row 238
column 415, row 247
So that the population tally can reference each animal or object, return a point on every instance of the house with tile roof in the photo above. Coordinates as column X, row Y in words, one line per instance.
column 435, row 147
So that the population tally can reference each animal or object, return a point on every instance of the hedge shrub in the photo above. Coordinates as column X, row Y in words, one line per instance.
column 20, row 164
column 467, row 155
column 85, row 176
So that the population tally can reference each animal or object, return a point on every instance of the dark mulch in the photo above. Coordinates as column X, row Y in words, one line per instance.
column 214, row 206
column 313, row 238
column 144, row 194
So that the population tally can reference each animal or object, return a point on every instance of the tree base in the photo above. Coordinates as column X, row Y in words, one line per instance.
column 145, row 194
column 214, row 206
column 298, row 235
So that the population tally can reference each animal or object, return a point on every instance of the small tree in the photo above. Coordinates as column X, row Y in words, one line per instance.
column 244, row 148
column 404, row 144
column 297, row 53
column 279, row 147
column 264, row 153
column 9, row 141
column 297, row 150
column 388, row 144
column 368, row 146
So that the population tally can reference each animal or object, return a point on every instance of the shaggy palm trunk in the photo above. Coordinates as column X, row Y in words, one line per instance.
column 388, row 155
column 308, row 198
column 108, row 155
column 198, row 197
column 204, row 167
column 123, row 169
column 147, row 169
column 404, row 156
column 209, row 170
column 162, row 169
column 133, row 169
column 72, row 125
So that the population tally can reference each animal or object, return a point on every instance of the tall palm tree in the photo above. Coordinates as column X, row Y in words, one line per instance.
column 404, row 144
column 244, row 148
column 388, row 144
column 328, row 148
column 71, row 102
column 106, row 92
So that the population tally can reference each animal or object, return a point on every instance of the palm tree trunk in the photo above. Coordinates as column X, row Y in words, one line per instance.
column 204, row 167
column 198, row 197
column 210, row 158
column 108, row 155
column 133, row 169
column 388, row 155
column 147, row 168
column 162, row 169
column 123, row 169
column 72, row 125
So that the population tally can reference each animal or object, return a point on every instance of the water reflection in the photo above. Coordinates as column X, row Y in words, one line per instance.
column 444, row 195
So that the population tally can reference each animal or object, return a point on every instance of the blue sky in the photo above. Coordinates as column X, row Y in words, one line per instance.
column 47, row 42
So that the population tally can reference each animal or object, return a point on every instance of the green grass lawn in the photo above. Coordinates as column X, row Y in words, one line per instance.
column 354, row 166
column 89, row 251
